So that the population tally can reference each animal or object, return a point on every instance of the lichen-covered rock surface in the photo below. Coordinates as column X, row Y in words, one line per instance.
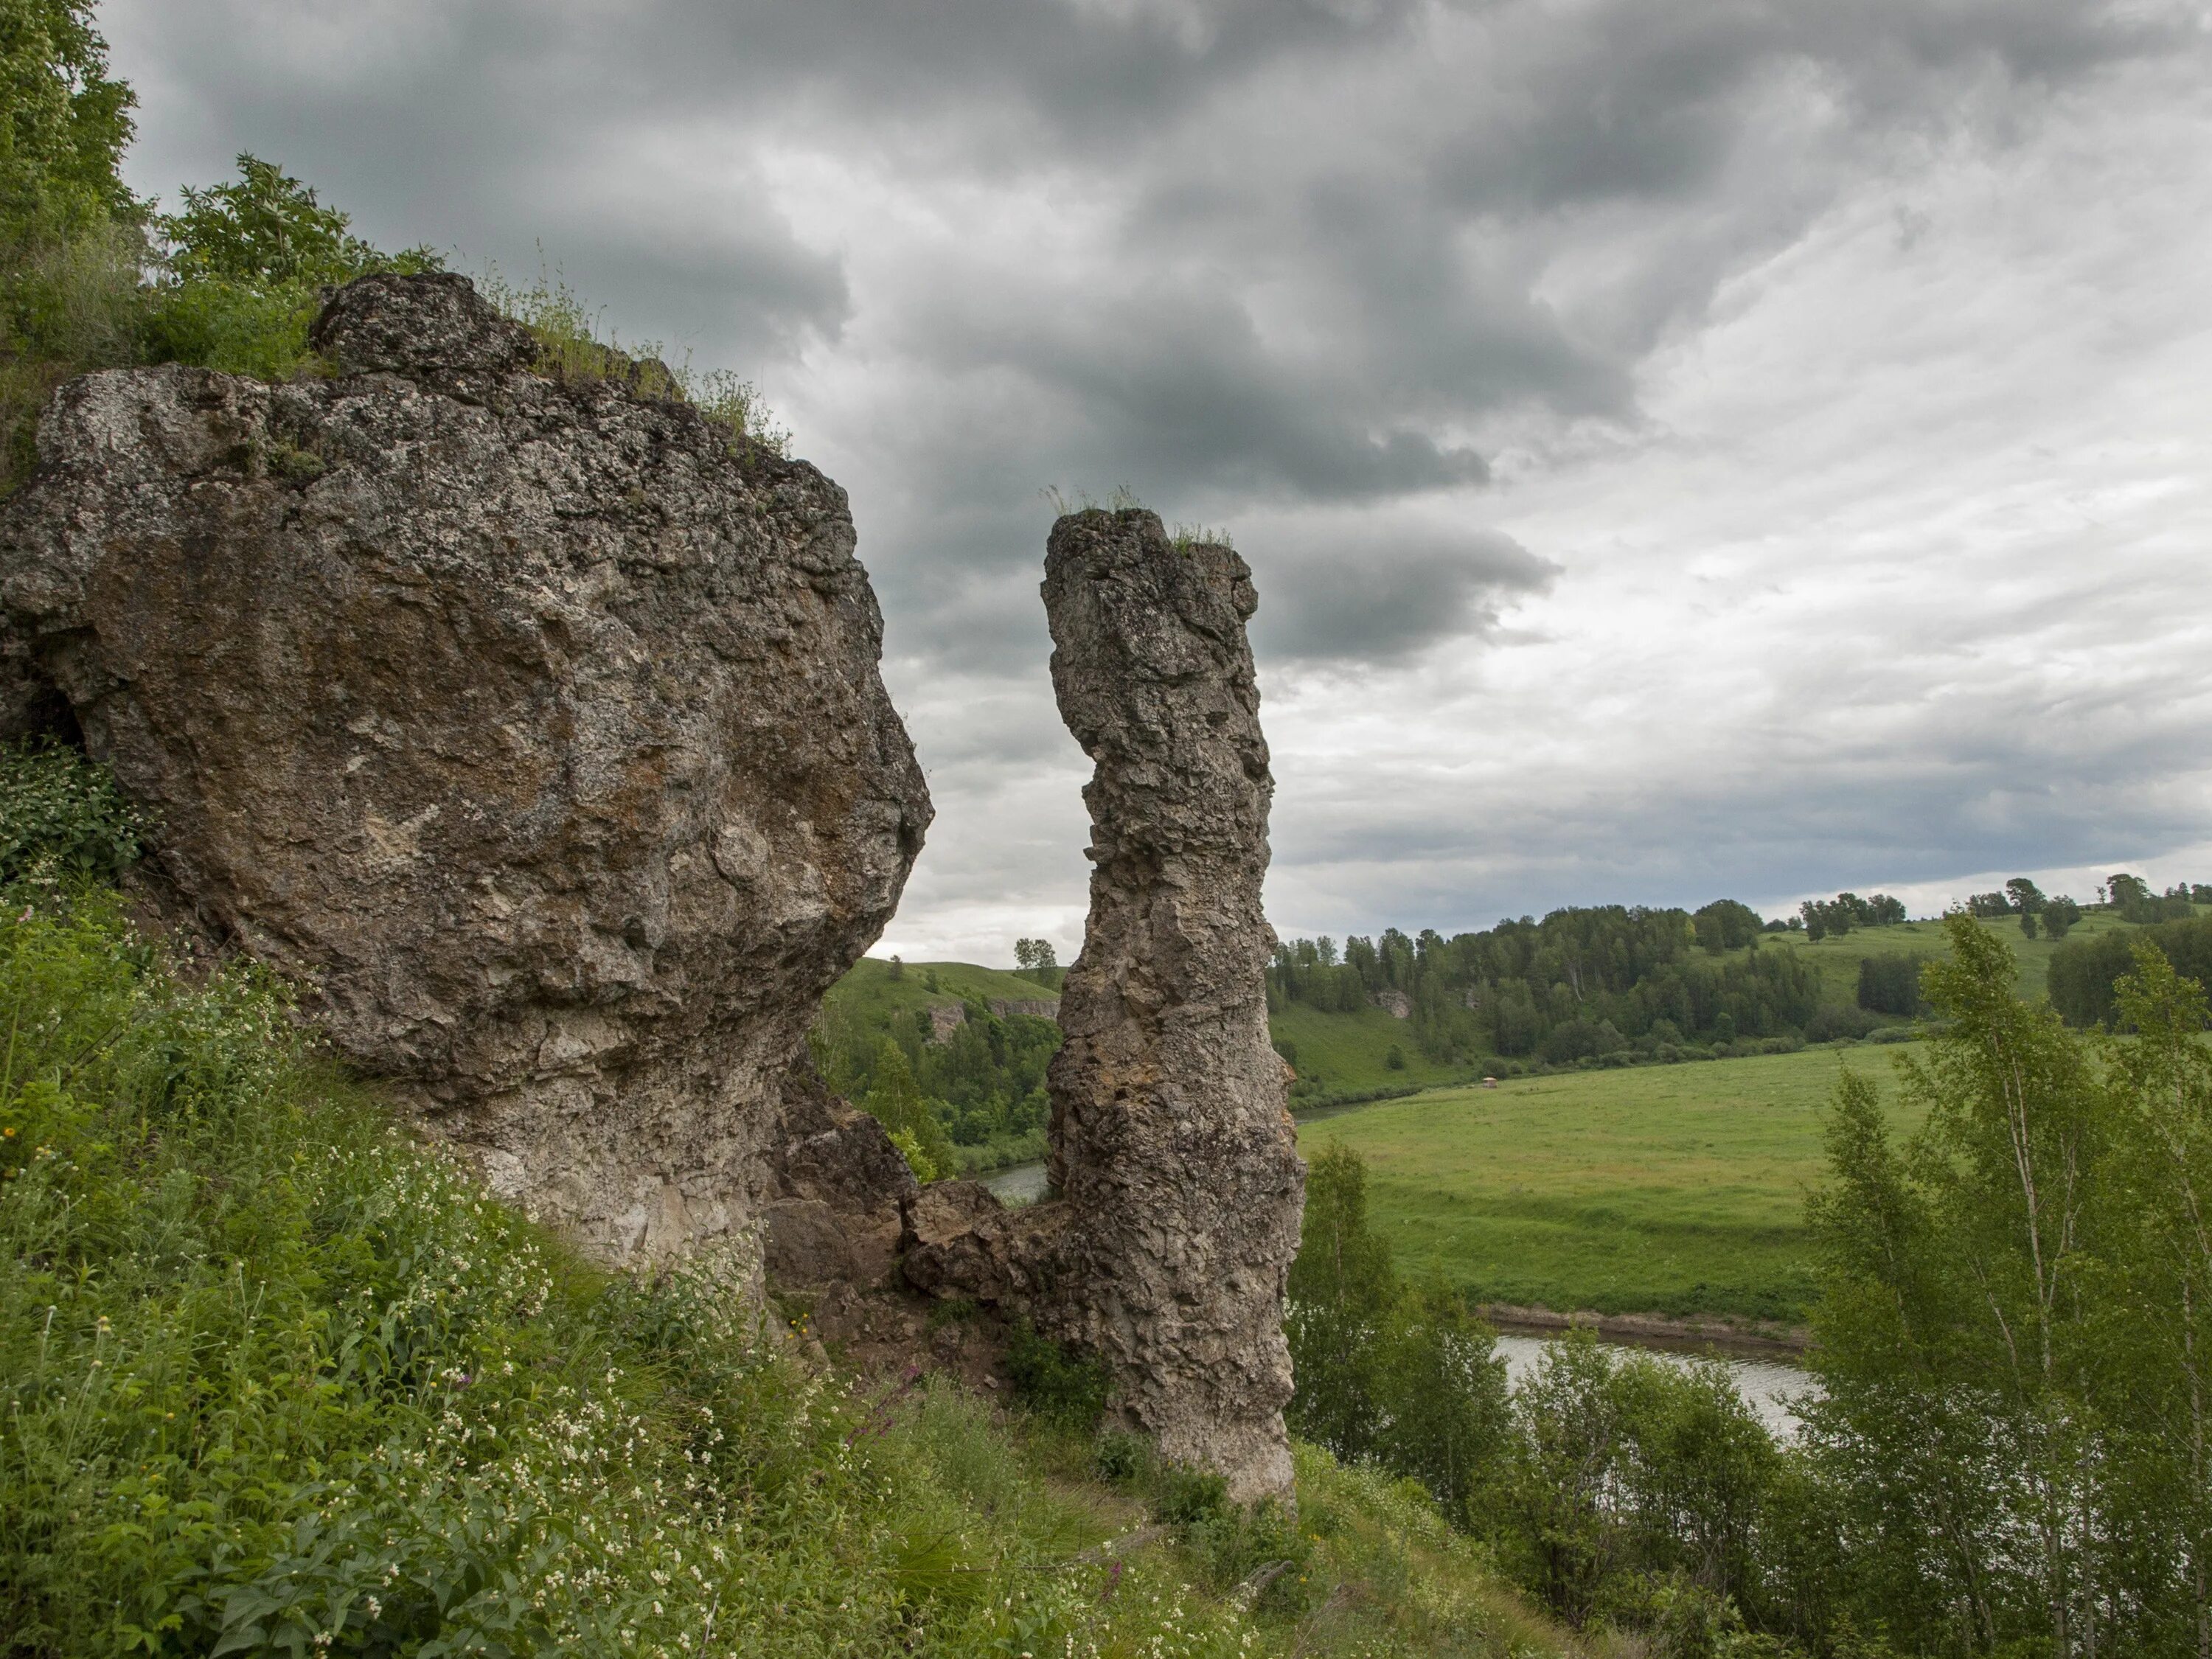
column 1171, row 1145
column 534, row 728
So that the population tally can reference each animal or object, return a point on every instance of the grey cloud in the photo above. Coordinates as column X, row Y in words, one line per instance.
column 1328, row 263
column 1373, row 599
column 1402, row 853
column 1395, row 174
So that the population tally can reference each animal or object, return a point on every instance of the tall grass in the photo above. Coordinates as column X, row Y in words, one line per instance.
column 275, row 1379
column 580, row 345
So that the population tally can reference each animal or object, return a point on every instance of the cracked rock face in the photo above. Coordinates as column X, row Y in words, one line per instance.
column 529, row 727
column 1172, row 1151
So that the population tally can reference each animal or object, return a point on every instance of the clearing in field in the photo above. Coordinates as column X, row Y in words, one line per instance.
column 1671, row 1190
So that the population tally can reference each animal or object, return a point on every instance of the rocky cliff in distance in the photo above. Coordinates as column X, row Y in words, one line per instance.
column 535, row 728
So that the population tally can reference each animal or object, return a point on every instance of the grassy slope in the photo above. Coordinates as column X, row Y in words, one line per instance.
column 1671, row 1190
column 276, row 1379
column 869, row 994
column 1347, row 1055
column 1838, row 958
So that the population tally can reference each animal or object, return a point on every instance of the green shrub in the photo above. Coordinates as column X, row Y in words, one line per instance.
column 61, row 817
column 1054, row 1381
column 1405, row 1376
column 2085, row 973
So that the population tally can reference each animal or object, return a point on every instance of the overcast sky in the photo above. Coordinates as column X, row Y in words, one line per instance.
column 1743, row 448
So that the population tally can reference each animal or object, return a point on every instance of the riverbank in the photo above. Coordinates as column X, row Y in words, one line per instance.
column 1745, row 1338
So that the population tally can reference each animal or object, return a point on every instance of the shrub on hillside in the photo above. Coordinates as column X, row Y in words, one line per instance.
column 2085, row 973
column 1404, row 1375
column 1831, row 1022
column 61, row 817
column 1891, row 984
column 1054, row 1381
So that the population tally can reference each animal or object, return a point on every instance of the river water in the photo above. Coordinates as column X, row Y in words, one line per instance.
column 1767, row 1386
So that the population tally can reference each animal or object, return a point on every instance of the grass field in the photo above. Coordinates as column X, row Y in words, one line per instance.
column 1674, row 1189
column 1338, row 1055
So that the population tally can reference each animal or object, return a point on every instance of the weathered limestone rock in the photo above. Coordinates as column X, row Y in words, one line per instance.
column 534, row 728
column 1171, row 1143
column 1175, row 1186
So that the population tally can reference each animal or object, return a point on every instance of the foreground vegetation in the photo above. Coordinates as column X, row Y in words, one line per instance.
column 1676, row 1190
column 276, row 1380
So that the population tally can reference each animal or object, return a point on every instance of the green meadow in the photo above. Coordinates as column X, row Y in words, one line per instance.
column 1673, row 1190
column 873, row 990
column 1341, row 1055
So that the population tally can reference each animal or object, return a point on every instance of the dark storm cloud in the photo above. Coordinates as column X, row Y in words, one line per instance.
column 1375, row 601
column 1334, row 160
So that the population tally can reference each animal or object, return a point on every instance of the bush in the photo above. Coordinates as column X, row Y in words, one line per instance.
column 1055, row 1382
column 1830, row 1023
column 1890, row 985
column 61, row 817
column 1627, row 1474
column 1408, row 1377
column 2084, row 975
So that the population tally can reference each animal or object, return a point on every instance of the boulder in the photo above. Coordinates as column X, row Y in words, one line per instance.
column 532, row 726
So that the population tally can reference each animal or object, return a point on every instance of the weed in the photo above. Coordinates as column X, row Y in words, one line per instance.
column 569, row 336
column 1056, row 1382
column 62, row 819
column 1188, row 536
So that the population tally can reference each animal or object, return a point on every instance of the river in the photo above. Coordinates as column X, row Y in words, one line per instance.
column 1767, row 1387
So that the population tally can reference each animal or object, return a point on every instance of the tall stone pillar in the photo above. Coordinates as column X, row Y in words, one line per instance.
column 1171, row 1143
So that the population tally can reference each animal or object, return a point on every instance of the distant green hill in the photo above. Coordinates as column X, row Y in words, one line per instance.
column 1837, row 956
column 979, row 1058
column 875, row 991
column 1367, row 1054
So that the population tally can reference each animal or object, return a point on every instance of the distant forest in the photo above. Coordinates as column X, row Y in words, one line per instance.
column 1618, row 984
column 1607, row 981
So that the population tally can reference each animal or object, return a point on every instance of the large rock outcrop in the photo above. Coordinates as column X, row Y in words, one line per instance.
column 533, row 727
column 1176, row 1189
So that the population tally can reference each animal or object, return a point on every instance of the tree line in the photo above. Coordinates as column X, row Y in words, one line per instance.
column 2013, row 1449
column 1601, row 982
